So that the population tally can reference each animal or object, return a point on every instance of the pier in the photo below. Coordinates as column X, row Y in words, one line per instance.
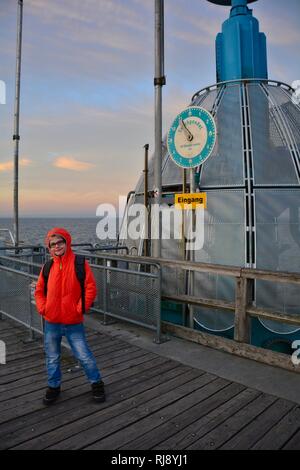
column 156, row 397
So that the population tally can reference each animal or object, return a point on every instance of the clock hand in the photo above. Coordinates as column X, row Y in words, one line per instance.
column 187, row 133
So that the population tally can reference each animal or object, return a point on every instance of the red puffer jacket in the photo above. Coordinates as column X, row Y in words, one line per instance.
column 63, row 301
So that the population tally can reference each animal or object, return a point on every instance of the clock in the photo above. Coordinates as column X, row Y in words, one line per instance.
column 192, row 137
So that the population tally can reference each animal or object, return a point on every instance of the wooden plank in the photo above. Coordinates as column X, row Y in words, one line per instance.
column 248, row 351
column 26, row 363
column 217, row 437
column 6, row 325
column 70, row 380
column 67, row 411
column 155, row 397
column 151, row 438
column 274, row 316
column 105, row 422
column 202, row 426
column 27, row 385
column 82, row 427
column 148, row 417
column 282, row 434
column 65, row 403
column 211, row 303
column 151, row 402
column 21, row 366
column 10, row 334
column 77, row 385
column 16, row 339
column 16, row 349
column 271, row 275
column 13, row 378
column 261, row 425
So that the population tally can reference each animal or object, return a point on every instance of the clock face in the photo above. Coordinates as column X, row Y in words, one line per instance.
column 192, row 137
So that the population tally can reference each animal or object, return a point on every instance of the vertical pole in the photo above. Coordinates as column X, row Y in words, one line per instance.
column 192, row 253
column 105, row 293
column 146, row 234
column 30, row 319
column 184, row 181
column 158, row 337
column 182, row 214
column 185, row 274
column 16, row 136
column 159, row 81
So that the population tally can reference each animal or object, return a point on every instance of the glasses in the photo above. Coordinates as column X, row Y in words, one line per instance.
column 58, row 243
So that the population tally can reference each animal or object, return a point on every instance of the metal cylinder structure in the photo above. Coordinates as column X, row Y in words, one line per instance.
column 252, row 182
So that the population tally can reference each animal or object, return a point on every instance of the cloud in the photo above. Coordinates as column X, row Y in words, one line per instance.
column 69, row 163
column 280, row 31
column 8, row 166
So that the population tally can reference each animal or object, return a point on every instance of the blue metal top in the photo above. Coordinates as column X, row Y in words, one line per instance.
column 230, row 2
column 241, row 50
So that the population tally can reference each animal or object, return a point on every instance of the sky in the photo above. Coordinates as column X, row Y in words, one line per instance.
column 87, row 94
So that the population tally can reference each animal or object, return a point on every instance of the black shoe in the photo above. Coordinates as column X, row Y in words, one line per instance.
column 51, row 395
column 98, row 391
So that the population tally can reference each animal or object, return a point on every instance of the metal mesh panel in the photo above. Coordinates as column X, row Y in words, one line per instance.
column 133, row 297
column 225, row 165
column 278, row 249
column 272, row 159
column 224, row 229
column 292, row 114
column 99, row 278
column 16, row 298
column 25, row 267
column 172, row 248
column 224, row 243
column 206, row 101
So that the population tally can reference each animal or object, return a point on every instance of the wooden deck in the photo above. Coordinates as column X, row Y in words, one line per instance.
column 152, row 403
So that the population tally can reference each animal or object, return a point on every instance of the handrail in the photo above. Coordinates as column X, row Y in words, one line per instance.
column 108, row 248
column 243, row 80
column 20, row 261
column 22, row 247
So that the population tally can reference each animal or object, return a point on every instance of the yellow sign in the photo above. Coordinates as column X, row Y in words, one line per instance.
column 190, row 201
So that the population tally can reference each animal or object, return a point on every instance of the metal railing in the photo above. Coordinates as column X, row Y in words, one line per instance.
column 31, row 253
column 17, row 299
column 240, row 81
column 127, row 290
column 130, row 289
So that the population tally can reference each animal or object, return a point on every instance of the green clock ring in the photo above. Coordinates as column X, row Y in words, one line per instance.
column 192, row 137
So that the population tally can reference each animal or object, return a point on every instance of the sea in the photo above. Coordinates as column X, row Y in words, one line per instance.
column 33, row 231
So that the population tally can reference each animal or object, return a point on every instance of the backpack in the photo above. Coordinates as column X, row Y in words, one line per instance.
column 80, row 274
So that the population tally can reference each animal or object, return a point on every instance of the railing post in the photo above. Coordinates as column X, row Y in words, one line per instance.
column 30, row 295
column 242, row 330
column 105, row 293
column 157, row 339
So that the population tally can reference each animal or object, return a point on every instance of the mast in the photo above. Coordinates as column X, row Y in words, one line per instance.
column 16, row 136
column 159, row 81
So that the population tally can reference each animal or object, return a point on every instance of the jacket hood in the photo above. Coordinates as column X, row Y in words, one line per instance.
column 63, row 233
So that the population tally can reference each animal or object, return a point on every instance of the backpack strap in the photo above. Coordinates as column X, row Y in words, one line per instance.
column 46, row 271
column 80, row 273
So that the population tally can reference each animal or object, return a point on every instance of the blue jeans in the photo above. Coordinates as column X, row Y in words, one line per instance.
column 75, row 335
